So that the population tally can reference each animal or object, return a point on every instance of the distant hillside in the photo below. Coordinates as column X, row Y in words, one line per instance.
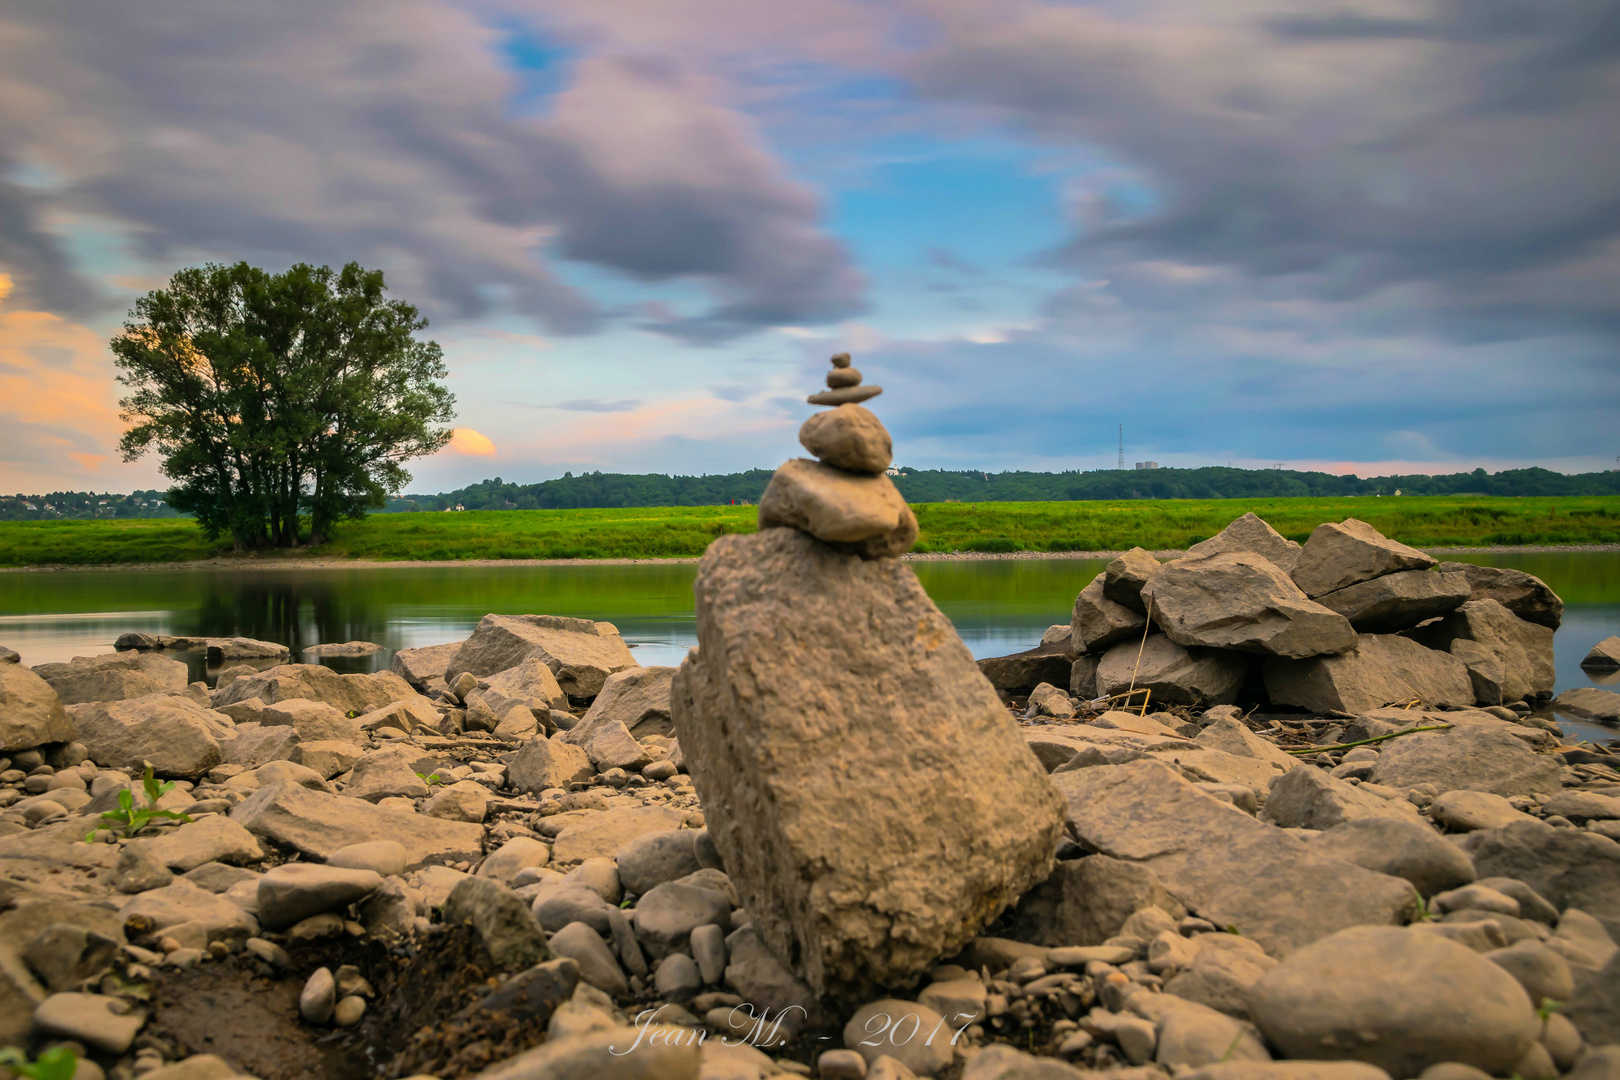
column 85, row 505
column 607, row 490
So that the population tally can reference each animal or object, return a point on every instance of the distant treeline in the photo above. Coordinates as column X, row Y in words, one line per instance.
column 85, row 505
column 599, row 490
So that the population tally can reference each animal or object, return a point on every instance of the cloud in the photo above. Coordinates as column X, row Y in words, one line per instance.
column 381, row 131
column 596, row 406
column 464, row 440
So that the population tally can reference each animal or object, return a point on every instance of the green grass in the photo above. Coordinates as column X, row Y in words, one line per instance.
column 663, row 532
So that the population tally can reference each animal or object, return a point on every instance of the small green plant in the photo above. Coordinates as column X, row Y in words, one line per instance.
column 1423, row 912
column 57, row 1063
column 130, row 821
column 432, row 779
column 1547, row 1007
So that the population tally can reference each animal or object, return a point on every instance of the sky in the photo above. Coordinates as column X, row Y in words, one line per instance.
column 1368, row 236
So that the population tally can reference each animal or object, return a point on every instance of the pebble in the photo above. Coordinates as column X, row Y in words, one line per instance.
column 384, row 857
column 347, row 1013
column 319, row 997
column 709, row 950
column 912, row 1034
column 677, row 978
column 841, row 1065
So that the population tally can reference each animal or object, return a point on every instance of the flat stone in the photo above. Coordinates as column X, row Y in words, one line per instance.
column 421, row 666
column 1466, row 811
column 849, row 438
column 1397, row 999
column 182, row 902
column 293, row 892
column 358, row 694
column 313, row 720
column 1230, row 735
column 1349, row 552
column 1242, row 601
column 344, row 648
column 1220, row 861
column 1398, row 601
column 1590, row 703
column 518, row 853
column 252, row 744
column 1524, row 649
column 1311, row 799
column 385, row 774
column 30, row 712
column 1469, row 757
column 602, row 834
column 845, row 395
column 581, row 654
column 1174, row 674
column 207, row 840
column 819, row 672
column 1098, row 622
column 1250, row 533
column 1403, row 848
column 113, row 677
column 107, row 1024
column 1526, row 595
column 1380, row 669
column 319, row 825
column 1023, row 671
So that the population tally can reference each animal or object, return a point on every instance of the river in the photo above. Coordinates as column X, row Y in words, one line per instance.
column 998, row 606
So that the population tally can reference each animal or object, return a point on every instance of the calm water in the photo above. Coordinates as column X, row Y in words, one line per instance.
column 997, row 606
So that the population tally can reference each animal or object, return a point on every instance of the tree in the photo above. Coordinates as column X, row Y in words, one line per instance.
column 276, row 398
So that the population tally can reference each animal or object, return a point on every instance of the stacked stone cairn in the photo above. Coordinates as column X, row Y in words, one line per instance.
column 844, row 496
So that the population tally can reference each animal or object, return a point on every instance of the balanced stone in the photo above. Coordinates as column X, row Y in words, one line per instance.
column 848, row 437
column 836, row 506
column 847, row 395
column 829, row 693
column 841, row 377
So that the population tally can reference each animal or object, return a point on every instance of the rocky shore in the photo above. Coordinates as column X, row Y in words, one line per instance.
column 1267, row 811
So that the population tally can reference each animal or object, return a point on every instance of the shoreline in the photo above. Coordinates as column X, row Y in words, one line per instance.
column 251, row 562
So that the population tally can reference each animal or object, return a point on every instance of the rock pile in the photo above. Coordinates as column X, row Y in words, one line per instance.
column 492, row 861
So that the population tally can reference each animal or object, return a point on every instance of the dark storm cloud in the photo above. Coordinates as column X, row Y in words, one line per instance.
column 382, row 132
column 1455, row 164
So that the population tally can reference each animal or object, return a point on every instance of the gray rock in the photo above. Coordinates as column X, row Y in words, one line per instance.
column 1543, row 973
column 677, row 977
column 1098, row 622
column 1221, row 862
column 318, row 998
column 1590, row 703
column 64, row 955
column 709, row 950
column 385, row 774
column 1250, row 533
column 638, row 698
column 1217, row 972
column 206, row 840
column 1524, row 649
column 106, row 1024
column 1380, row 669
column 1174, row 674
column 1083, row 678
column 1532, row 905
column 1086, row 901
column 567, row 903
column 1020, row 672
column 580, row 653
column 218, row 877
column 176, row 735
column 1311, row 799
column 655, row 858
column 831, row 504
column 1605, row 655
column 1241, row 601
column 343, row 648
column 1572, row 868
column 253, row 744
column 319, row 825
column 1400, row 848
column 847, row 666
column 760, row 978
column 464, row 800
column 611, row 746
column 547, row 763
column 386, row 858
column 850, row 438
column 1526, row 595
column 1599, row 1063
column 1398, row 601
column 1594, row 1007
column 1471, row 757
column 293, row 892
column 1229, row 735
column 421, row 666
column 182, row 902
column 667, row 915
column 597, row 965
column 315, row 721
column 1397, row 999
column 911, row 1033
column 1126, row 576
column 358, row 694
column 113, row 677
column 1344, row 554
column 139, row 870
column 1466, row 811
column 1485, row 670
column 518, row 853
column 530, row 682
column 512, row 936
column 30, row 712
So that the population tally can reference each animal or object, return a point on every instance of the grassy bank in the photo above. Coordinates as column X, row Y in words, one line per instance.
column 1441, row 521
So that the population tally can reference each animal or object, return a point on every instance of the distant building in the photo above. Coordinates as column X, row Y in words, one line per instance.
column 1147, row 464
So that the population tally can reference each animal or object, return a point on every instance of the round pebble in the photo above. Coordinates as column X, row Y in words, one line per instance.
column 348, row 1012
column 319, row 997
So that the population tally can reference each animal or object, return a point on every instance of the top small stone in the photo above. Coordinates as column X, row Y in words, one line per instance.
column 840, row 360
column 844, row 385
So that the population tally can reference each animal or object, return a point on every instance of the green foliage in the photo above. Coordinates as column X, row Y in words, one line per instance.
column 57, row 1063
column 274, row 396
column 128, row 820
column 685, row 531
column 432, row 779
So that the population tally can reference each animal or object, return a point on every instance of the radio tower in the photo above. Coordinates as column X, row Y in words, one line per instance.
column 1121, row 464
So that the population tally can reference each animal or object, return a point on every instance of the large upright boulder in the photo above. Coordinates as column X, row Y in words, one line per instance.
column 1526, row 595
column 1524, row 649
column 1380, row 670
column 1239, row 600
column 175, row 734
column 358, row 694
column 114, row 677
column 1221, row 863
column 872, row 801
column 1397, row 601
column 1250, row 533
column 579, row 652
column 1097, row 622
column 30, row 712
column 1175, row 675
column 1344, row 554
